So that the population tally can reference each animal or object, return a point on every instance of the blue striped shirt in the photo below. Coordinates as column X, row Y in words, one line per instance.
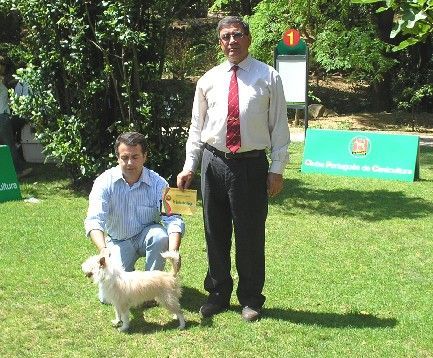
column 123, row 211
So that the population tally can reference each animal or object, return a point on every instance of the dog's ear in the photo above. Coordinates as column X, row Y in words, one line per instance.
column 102, row 261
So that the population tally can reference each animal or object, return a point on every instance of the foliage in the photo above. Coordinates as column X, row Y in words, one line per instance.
column 191, row 48
column 340, row 36
column 220, row 4
column 357, row 52
column 267, row 25
column 412, row 98
column 234, row 7
column 411, row 76
column 343, row 38
column 414, row 19
column 88, row 66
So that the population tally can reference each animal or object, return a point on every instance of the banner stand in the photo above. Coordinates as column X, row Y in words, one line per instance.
column 9, row 186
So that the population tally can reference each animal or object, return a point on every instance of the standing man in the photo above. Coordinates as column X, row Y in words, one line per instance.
column 9, row 126
column 239, row 111
column 124, row 209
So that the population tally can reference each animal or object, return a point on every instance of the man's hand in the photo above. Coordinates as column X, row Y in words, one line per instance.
column 275, row 184
column 184, row 179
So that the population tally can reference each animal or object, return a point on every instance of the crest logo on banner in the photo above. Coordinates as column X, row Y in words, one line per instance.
column 360, row 146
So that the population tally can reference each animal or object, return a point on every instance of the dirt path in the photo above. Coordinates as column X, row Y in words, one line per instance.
column 398, row 122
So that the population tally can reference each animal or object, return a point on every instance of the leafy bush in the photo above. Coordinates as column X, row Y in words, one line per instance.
column 89, row 65
column 414, row 98
column 191, row 48
column 357, row 52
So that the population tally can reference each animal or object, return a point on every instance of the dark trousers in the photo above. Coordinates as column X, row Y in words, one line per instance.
column 235, row 197
column 8, row 128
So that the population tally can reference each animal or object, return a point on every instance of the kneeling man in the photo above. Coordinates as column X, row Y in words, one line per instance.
column 124, row 209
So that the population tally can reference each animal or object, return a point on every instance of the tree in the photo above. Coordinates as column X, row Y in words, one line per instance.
column 408, row 26
column 235, row 7
column 92, row 67
column 340, row 35
column 413, row 19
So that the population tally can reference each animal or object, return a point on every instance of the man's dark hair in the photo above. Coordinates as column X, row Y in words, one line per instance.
column 233, row 20
column 131, row 138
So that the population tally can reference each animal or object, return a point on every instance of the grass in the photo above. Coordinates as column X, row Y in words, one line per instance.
column 349, row 274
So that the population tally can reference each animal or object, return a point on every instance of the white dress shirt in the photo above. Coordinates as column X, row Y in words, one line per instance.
column 123, row 211
column 262, row 107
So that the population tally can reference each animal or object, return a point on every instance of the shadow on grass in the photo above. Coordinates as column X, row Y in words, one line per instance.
column 426, row 158
column 191, row 301
column 374, row 205
column 45, row 173
column 330, row 320
column 139, row 325
column 47, row 178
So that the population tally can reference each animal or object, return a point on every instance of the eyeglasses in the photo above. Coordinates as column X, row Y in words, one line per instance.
column 236, row 36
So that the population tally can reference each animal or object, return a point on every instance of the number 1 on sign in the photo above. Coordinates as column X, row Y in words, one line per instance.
column 291, row 37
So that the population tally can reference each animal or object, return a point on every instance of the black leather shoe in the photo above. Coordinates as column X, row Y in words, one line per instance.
column 209, row 309
column 251, row 314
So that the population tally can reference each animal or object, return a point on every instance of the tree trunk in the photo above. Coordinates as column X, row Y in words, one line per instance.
column 382, row 91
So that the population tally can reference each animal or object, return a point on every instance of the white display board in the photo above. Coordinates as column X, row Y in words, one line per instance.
column 293, row 72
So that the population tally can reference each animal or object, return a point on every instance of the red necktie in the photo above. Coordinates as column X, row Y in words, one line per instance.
column 233, row 137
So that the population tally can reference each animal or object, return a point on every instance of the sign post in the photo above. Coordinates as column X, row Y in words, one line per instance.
column 9, row 186
column 291, row 62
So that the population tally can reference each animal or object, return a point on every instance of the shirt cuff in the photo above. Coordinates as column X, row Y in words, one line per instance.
column 190, row 165
column 277, row 167
column 176, row 227
column 92, row 225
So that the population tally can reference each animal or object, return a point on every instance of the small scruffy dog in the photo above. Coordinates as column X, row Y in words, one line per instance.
column 130, row 289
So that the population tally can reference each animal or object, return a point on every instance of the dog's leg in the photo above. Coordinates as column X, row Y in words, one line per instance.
column 101, row 295
column 172, row 305
column 181, row 319
column 117, row 321
column 124, row 317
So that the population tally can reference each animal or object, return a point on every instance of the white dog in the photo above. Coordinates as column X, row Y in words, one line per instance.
column 130, row 289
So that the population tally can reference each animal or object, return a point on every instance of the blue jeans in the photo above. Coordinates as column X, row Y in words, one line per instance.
column 149, row 243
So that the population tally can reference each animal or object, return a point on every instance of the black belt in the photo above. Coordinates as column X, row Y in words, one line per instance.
column 243, row 155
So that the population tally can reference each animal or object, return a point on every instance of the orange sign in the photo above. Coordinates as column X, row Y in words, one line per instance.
column 176, row 201
column 291, row 37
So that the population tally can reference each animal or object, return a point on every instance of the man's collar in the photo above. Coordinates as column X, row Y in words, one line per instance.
column 245, row 64
column 144, row 177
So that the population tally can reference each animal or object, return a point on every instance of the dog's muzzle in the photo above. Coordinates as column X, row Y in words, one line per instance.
column 89, row 274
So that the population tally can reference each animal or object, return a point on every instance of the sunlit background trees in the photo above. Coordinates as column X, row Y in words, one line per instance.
column 97, row 68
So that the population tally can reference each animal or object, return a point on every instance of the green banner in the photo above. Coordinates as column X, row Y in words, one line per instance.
column 361, row 154
column 9, row 186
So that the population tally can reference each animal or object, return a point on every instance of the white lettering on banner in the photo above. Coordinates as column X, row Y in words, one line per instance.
column 377, row 169
column 354, row 167
column 311, row 163
column 6, row 186
column 344, row 167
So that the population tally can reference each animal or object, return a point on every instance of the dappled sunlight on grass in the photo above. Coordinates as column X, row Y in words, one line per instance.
column 369, row 204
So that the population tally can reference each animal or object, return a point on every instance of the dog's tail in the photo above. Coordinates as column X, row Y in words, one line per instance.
column 175, row 260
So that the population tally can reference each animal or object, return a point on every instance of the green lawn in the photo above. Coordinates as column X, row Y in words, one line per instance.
column 349, row 274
